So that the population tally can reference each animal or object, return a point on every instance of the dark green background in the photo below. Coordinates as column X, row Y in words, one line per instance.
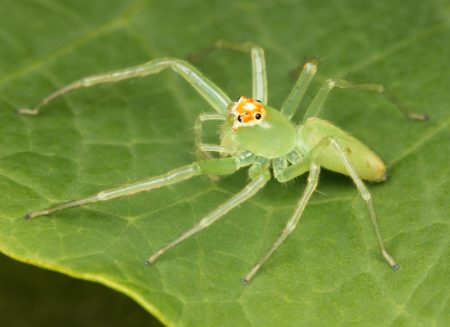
column 35, row 297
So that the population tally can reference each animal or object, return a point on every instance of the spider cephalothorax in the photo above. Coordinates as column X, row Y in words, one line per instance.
column 247, row 112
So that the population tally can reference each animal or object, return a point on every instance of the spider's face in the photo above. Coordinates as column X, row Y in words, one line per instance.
column 247, row 112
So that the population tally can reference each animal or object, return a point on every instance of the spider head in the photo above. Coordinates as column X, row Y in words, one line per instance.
column 247, row 112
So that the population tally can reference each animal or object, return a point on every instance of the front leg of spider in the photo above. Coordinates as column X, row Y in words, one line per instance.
column 256, row 135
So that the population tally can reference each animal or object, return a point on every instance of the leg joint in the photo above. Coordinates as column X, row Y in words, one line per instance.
column 381, row 88
column 366, row 195
column 310, row 66
column 330, row 83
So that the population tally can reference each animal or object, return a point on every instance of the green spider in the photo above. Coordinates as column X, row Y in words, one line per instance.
column 256, row 135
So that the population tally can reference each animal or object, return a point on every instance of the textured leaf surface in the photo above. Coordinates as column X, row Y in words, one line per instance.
column 329, row 271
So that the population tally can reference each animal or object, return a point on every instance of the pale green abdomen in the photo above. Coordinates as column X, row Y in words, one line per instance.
column 366, row 163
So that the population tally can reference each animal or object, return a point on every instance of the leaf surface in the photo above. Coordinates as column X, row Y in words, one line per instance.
column 329, row 271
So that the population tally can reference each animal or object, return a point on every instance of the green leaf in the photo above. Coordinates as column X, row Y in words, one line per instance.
column 329, row 271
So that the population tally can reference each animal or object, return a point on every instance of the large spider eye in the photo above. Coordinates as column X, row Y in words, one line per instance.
column 258, row 101
column 258, row 116
column 239, row 118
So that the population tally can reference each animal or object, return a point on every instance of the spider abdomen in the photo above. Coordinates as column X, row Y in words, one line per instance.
column 366, row 163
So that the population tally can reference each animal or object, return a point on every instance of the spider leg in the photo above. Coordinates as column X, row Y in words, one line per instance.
column 207, row 89
column 313, row 180
column 297, row 93
column 202, row 150
column 364, row 192
column 259, row 75
column 215, row 148
column 284, row 174
column 317, row 104
column 251, row 189
column 222, row 166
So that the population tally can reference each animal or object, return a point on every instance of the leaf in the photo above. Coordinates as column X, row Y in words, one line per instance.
column 329, row 271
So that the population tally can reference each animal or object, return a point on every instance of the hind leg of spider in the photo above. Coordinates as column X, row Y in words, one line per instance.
column 207, row 89
column 222, row 166
column 259, row 75
column 364, row 192
column 317, row 103
column 313, row 179
column 251, row 189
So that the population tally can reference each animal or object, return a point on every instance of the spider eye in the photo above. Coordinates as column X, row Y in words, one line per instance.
column 258, row 116
column 258, row 101
column 239, row 118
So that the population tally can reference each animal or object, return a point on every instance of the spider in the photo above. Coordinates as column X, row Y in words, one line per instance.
column 257, row 136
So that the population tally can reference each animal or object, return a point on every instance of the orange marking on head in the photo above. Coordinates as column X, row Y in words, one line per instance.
column 247, row 112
